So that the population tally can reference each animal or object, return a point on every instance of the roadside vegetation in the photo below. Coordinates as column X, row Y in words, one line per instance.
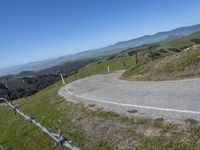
column 167, row 60
column 142, row 63
column 28, row 83
column 178, row 66
column 92, row 128
column 171, row 60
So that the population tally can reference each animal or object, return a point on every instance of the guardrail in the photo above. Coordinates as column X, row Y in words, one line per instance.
column 59, row 140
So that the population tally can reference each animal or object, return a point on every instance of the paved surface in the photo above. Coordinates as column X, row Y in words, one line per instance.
column 172, row 100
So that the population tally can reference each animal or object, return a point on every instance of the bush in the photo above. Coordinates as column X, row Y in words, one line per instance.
column 197, row 41
column 162, row 50
column 174, row 49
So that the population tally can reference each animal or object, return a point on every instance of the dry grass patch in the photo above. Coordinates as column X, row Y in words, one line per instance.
column 178, row 66
column 148, row 131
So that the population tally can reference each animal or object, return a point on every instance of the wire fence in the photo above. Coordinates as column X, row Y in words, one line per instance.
column 59, row 140
column 1, row 146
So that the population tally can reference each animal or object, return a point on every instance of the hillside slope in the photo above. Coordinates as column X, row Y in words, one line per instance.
column 28, row 82
column 108, row 50
column 177, row 66
column 90, row 128
column 127, row 59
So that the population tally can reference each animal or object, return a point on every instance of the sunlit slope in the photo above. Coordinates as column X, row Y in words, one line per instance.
column 164, row 52
column 89, row 128
column 177, row 66
column 92, row 128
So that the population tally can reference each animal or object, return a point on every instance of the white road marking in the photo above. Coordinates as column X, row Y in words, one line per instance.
column 131, row 105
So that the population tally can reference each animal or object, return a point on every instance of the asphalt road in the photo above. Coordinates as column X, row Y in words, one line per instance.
column 173, row 100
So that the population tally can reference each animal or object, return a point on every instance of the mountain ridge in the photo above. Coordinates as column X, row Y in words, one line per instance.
column 107, row 50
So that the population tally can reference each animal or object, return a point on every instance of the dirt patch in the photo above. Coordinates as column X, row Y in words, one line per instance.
column 148, row 131
column 99, row 130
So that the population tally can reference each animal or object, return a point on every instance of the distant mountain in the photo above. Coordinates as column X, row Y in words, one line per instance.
column 34, row 66
column 29, row 82
column 161, row 36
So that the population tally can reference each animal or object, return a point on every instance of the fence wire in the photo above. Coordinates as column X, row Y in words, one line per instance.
column 59, row 140
column 1, row 146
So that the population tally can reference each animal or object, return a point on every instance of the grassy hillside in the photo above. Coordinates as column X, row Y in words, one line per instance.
column 177, row 66
column 182, row 42
column 161, row 52
column 174, row 59
column 28, row 83
column 90, row 128
column 35, row 81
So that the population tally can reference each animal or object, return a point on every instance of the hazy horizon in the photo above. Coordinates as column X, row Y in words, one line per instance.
column 36, row 31
column 29, row 62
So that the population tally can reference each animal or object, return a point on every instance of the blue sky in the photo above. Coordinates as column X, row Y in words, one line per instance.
column 32, row 30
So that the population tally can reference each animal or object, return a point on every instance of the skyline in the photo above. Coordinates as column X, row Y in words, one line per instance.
column 32, row 32
column 30, row 62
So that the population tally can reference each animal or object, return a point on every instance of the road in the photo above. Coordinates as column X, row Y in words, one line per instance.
column 173, row 100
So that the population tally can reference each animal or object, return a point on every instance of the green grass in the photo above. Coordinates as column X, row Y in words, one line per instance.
column 176, row 66
column 163, row 49
column 95, row 129
column 116, row 61
column 89, row 129
column 101, row 66
column 182, row 42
